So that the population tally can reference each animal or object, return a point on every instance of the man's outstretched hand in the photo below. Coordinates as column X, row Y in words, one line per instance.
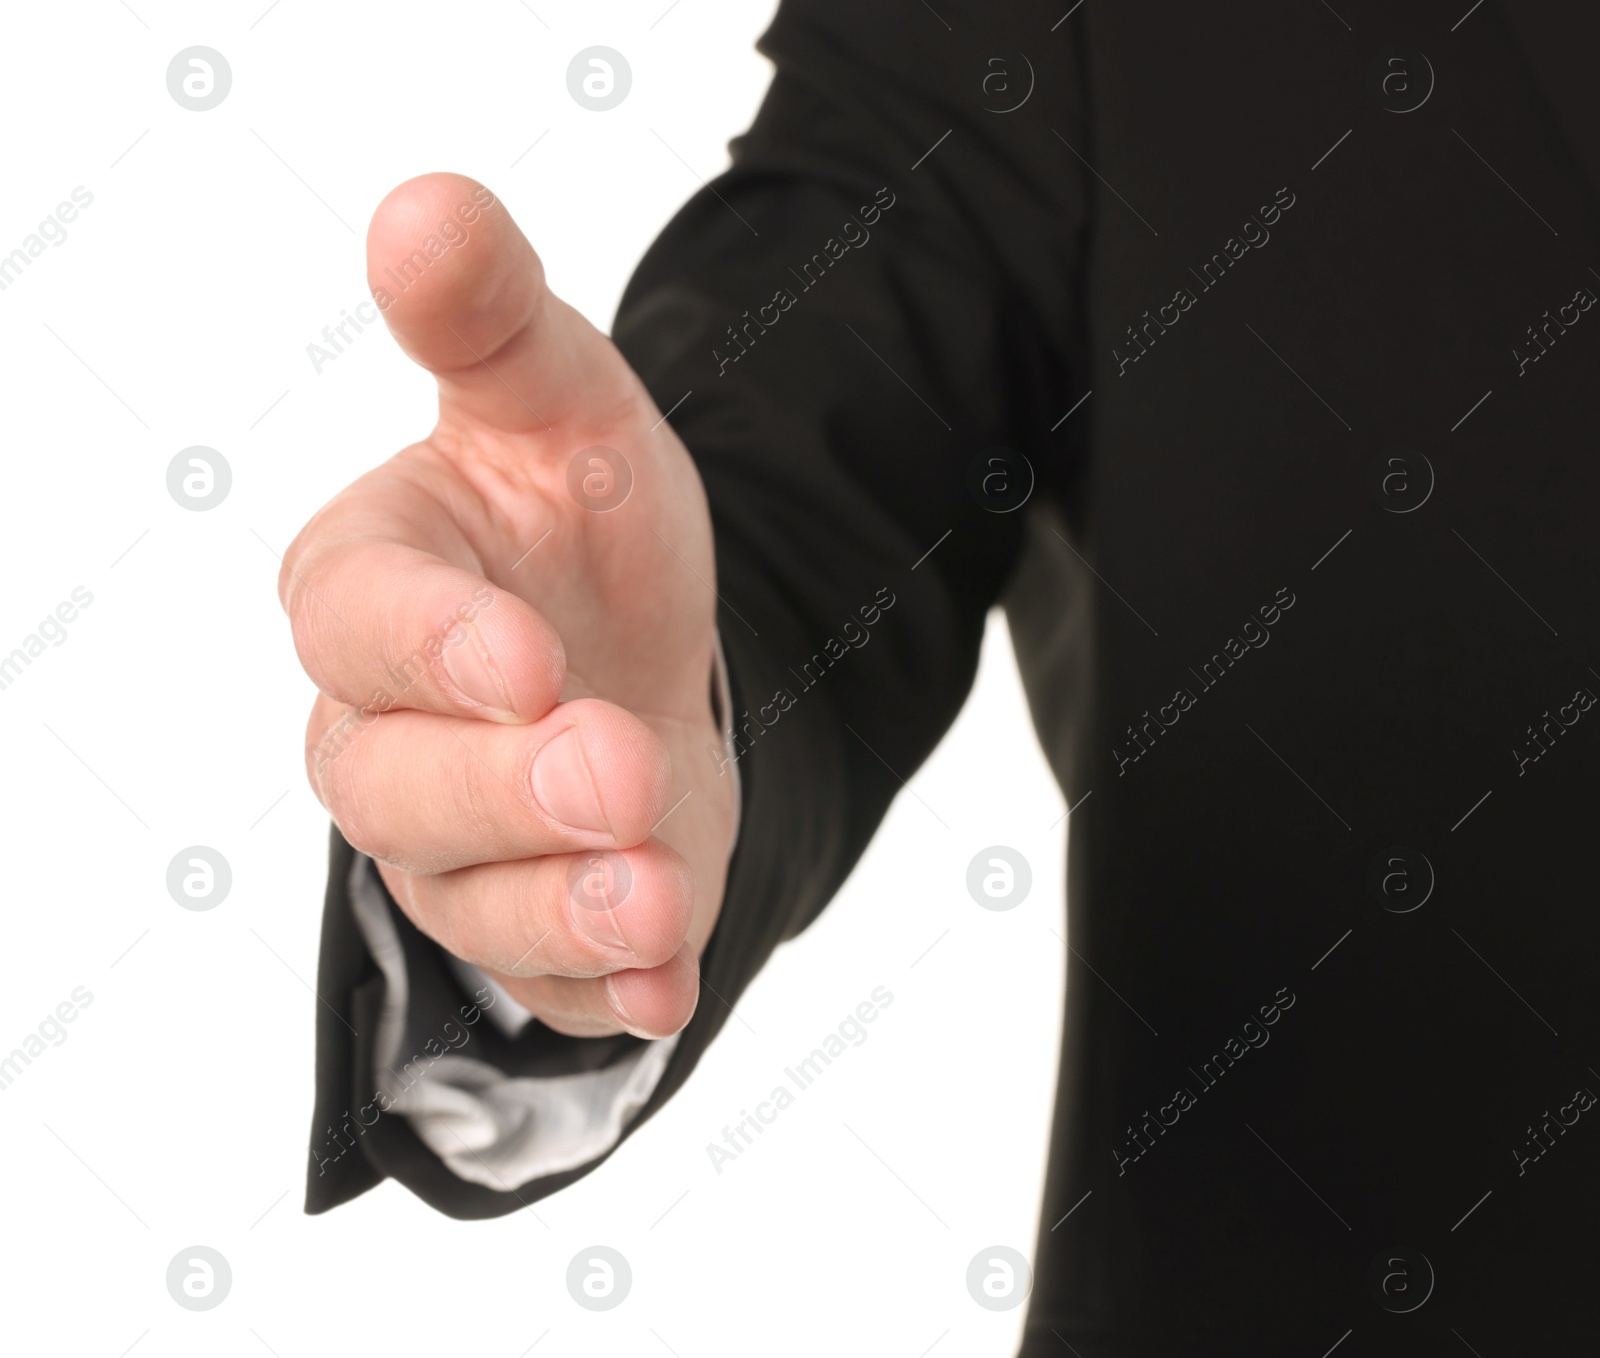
column 511, row 625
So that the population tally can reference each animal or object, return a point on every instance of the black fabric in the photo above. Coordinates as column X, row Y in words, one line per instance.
column 1305, row 668
column 355, row 1135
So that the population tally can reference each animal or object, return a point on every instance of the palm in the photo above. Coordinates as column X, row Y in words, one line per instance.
column 627, row 587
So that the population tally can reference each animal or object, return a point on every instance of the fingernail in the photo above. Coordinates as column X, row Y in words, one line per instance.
column 598, row 883
column 471, row 670
column 627, row 1020
column 600, row 925
column 563, row 786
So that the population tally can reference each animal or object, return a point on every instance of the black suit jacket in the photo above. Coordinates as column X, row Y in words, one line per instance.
column 1245, row 352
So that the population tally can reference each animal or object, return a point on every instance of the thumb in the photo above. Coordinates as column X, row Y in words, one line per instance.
column 465, row 296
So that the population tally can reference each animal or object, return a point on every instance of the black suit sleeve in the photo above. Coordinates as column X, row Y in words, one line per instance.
column 872, row 315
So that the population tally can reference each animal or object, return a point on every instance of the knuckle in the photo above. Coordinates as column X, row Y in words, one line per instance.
column 476, row 808
column 329, row 734
column 525, row 919
column 308, row 618
column 343, row 791
column 418, row 898
column 496, row 917
column 457, row 920
column 576, row 1007
column 687, row 1000
column 315, row 750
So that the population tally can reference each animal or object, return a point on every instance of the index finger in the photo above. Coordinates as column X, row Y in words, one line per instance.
column 381, row 622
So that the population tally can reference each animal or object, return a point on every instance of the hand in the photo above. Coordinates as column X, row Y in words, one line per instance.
column 514, row 646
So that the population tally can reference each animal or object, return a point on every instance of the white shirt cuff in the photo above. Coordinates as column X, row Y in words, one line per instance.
column 489, row 1127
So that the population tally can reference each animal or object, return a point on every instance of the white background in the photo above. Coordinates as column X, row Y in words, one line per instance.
column 176, row 1112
